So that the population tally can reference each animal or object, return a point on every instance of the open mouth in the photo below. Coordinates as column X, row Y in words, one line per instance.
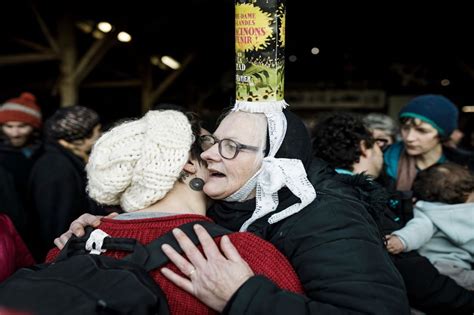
column 215, row 174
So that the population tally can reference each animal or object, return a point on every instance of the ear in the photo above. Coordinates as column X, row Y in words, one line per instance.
column 189, row 167
column 364, row 151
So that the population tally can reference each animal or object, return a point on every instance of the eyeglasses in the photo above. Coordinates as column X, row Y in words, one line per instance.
column 228, row 148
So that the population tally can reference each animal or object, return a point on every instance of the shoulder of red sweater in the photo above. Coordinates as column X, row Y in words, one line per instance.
column 251, row 241
column 178, row 219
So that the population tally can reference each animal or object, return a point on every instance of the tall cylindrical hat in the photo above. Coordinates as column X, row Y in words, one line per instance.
column 260, row 70
column 260, row 54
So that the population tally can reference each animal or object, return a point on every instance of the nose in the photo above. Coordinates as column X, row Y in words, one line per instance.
column 211, row 154
column 410, row 135
column 15, row 132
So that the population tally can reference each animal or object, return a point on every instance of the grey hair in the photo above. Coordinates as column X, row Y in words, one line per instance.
column 382, row 122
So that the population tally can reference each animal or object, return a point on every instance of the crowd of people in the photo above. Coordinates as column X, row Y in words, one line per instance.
column 341, row 219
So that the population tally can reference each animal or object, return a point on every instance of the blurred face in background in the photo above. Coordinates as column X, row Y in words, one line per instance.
column 17, row 132
column 420, row 137
column 382, row 138
column 85, row 145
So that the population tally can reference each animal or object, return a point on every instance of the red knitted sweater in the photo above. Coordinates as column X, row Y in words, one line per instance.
column 262, row 257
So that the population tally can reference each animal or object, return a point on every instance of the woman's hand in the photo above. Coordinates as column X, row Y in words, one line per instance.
column 394, row 244
column 77, row 227
column 213, row 277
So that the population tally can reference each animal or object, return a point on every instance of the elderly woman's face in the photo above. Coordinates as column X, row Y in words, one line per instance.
column 227, row 176
column 419, row 137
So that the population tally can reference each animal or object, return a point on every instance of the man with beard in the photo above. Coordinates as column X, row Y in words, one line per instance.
column 20, row 122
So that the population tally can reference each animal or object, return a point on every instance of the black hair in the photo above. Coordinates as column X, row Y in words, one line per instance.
column 447, row 183
column 196, row 126
column 337, row 138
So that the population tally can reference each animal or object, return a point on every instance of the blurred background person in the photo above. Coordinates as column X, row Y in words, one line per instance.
column 57, row 186
column 427, row 121
column 384, row 129
column 443, row 225
column 20, row 145
column 13, row 252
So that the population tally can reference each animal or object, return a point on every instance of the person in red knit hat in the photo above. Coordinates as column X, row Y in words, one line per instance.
column 19, row 117
column 20, row 145
column 152, row 169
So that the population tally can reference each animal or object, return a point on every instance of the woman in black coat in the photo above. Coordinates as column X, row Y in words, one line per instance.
column 334, row 243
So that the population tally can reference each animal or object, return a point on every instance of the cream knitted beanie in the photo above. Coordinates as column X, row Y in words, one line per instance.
column 136, row 163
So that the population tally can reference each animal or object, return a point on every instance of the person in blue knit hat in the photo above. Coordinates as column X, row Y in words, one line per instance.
column 426, row 122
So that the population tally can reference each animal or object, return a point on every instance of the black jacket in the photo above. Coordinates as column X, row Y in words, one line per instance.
column 15, row 170
column 10, row 203
column 335, row 247
column 57, row 194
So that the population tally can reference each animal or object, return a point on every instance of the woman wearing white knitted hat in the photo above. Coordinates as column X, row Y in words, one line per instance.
column 151, row 168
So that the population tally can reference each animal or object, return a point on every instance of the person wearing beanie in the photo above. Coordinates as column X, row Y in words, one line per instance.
column 57, row 182
column 151, row 168
column 426, row 122
column 19, row 117
column 20, row 146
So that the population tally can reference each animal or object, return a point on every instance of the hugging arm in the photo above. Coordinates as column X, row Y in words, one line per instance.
column 213, row 276
column 77, row 227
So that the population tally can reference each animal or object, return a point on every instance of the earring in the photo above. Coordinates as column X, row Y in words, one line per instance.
column 196, row 184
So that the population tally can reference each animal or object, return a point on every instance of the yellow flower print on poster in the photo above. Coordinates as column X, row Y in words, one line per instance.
column 252, row 28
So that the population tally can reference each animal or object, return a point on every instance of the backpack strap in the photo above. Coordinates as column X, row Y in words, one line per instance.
column 156, row 257
column 150, row 256
column 77, row 245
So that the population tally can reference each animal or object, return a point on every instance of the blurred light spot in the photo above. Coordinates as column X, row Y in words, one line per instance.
column 315, row 50
column 468, row 109
column 170, row 62
column 104, row 27
column 445, row 82
column 124, row 37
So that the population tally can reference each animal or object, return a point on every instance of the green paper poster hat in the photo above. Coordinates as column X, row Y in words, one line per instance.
column 260, row 67
column 260, row 54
